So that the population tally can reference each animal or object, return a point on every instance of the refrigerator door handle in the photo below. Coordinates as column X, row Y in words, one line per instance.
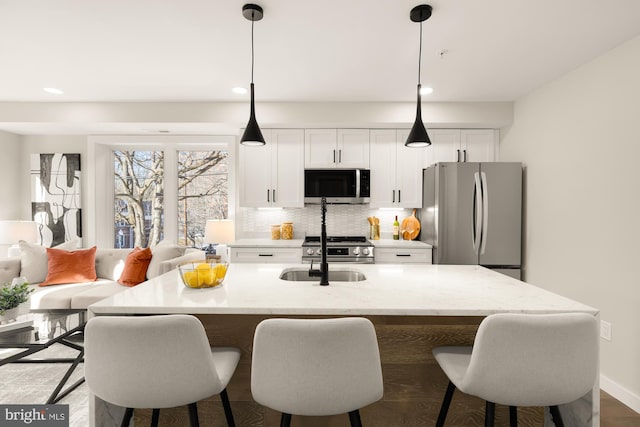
column 485, row 213
column 478, row 214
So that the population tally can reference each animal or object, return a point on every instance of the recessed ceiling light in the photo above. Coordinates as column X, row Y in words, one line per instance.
column 52, row 90
column 239, row 90
column 426, row 90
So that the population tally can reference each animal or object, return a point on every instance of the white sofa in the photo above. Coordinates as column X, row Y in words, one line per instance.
column 109, row 265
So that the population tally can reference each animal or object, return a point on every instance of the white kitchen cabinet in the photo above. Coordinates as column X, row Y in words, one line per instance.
column 463, row 145
column 479, row 145
column 336, row 148
column 396, row 170
column 266, row 254
column 403, row 256
column 272, row 175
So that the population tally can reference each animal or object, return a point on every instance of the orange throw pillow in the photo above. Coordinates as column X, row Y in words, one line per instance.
column 70, row 266
column 135, row 267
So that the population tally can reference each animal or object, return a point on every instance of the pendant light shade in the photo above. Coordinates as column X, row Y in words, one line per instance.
column 252, row 134
column 418, row 136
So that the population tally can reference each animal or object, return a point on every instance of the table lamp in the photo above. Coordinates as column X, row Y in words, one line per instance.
column 219, row 232
column 13, row 231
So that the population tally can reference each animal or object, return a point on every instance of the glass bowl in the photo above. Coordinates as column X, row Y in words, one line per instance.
column 203, row 274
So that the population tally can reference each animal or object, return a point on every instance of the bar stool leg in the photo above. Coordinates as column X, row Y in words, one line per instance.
column 445, row 404
column 555, row 415
column 193, row 415
column 489, row 414
column 513, row 416
column 285, row 420
column 128, row 414
column 354, row 418
column 155, row 416
column 227, row 408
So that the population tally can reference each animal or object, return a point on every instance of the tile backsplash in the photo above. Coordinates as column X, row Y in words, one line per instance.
column 341, row 220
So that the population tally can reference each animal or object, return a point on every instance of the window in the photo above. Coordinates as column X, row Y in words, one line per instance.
column 138, row 198
column 203, row 193
column 158, row 188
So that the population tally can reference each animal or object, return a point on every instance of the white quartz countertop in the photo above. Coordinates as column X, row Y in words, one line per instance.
column 405, row 244
column 261, row 243
column 424, row 290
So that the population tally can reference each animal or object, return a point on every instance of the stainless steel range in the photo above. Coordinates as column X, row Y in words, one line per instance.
column 339, row 249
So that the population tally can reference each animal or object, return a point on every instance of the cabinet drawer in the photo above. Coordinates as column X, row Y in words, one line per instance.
column 266, row 254
column 402, row 256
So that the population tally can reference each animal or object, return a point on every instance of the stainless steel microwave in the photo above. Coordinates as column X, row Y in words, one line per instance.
column 349, row 186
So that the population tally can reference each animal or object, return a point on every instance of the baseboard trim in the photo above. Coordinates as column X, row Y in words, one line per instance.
column 621, row 393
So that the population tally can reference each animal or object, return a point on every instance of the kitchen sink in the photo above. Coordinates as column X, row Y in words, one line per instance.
column 302, row 275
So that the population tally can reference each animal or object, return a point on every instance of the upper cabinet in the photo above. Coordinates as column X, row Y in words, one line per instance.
column 273, row 174
column 336, row 148
column 396, row 170
column 463, row 145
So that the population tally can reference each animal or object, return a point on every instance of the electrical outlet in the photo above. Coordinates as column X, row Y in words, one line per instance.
column 605, row 330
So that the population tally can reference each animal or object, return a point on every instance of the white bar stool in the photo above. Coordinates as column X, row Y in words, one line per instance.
column 524, row 360
column 156, row 362
column 316, row 367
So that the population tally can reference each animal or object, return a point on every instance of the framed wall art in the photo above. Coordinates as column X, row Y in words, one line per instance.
column 55, row 197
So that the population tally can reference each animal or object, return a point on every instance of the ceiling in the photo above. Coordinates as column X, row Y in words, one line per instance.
column 326, row 51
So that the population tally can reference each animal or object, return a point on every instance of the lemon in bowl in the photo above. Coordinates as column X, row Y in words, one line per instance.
column 202, row 274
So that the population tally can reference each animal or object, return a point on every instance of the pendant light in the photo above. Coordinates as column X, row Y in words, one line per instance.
column 252, row 134
column 418, row 136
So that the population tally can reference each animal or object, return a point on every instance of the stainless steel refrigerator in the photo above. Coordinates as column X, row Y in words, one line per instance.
column 472, row 214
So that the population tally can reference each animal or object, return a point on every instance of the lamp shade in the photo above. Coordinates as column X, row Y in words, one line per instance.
column 13, row 231
column 219, row 231
column 252, row 134
column 418, row 136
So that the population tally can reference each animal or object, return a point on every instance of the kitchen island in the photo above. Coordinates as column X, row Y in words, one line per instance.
column 414, row 308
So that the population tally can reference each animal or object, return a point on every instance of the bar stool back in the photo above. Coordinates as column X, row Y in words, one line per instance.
column 156, row 362
column 316, row 367
column 524, row 360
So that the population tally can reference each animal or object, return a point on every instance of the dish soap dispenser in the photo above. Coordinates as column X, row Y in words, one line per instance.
column 396, row 229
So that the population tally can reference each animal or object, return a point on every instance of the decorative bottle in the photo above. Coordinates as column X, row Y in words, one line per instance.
column 396, row 229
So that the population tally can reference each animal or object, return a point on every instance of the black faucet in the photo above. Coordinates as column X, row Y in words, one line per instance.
column 323, row 273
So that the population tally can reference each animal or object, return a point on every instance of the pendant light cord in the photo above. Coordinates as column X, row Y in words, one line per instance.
column 420, row 53
column 252, row 21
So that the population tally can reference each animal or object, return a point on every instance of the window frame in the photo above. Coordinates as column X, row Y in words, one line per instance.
column 100, row 154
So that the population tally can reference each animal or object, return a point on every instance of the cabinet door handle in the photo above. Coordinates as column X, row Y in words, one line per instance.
column 339, row 156
column 399, row 197
column 465, row 155
column 403, row 254
column 265, row 254
column 274, row 195
column 458, row 156
column 334, row 156
column 394, row 196
column 268, row 199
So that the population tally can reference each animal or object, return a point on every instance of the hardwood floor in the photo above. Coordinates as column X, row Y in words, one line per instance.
column 613, row 413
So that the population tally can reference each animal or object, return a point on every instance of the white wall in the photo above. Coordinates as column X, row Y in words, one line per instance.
column 579, row 138
column 226, row 118
column 10, row 200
